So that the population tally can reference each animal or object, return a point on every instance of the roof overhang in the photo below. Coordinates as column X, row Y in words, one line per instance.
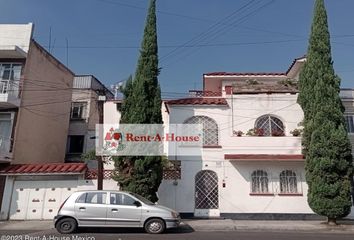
column 44, row 169
column 265, row 157
column 12, row 51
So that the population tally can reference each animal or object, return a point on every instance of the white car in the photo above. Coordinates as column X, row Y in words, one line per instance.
column 113, row 209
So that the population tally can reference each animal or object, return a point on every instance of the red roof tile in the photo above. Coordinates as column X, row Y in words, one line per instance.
column 46, row 168
column 198, row 101
column 265, row 157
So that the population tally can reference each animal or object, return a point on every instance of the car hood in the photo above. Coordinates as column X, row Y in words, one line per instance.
column 157, row 206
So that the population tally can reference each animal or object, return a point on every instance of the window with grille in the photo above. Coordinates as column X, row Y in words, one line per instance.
column 270, row 125
column 78, row 110
column 350, row 123
column 288, row 182
column 260, row 182
column 210, row 129
column 9, row 73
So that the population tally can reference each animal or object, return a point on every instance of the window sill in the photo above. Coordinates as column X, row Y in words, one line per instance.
column 212, row 146
column 262, row 194
column 291, row 194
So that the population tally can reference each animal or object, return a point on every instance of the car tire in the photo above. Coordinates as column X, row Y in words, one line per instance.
column 155, row 226
column 66, row 225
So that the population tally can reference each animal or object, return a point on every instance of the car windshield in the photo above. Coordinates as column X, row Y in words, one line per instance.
column 141, row 198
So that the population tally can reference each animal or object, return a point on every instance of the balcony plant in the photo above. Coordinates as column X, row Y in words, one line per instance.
column 251, row 132
column 255, row 132
column 278, row 133
column 259, row 132
column 238, row 133
column 296, row 132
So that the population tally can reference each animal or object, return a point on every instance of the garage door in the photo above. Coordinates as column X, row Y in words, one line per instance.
column 37, row 200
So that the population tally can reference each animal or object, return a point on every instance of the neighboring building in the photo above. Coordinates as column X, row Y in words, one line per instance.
column 86, row 112
column 260, row 175
column 347, row 96
column 36, row 92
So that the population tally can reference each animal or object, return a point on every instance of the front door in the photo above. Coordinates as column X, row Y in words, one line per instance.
column 122, row 212
column 91, row 209
column 206, row 194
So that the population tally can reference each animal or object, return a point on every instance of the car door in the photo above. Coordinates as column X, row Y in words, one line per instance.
column 91, row 209
column 122, row 212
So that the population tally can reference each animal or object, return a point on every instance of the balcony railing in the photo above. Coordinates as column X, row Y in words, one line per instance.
column 5, row 145
column 201, row 93
column 9, row 87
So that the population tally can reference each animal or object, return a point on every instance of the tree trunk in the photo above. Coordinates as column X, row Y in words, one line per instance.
column 332, row 221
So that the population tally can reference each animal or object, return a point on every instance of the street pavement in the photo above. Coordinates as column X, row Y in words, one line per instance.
column 174, row 235
column 190, row 229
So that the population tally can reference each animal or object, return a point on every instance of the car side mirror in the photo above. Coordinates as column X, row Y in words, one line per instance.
column 137, row 204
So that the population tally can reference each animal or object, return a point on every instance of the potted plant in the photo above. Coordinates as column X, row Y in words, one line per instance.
column 255, row 132
column 259, row 132
column 251, row 132
column 238, row 133
column 296, row 132
column 277, row 133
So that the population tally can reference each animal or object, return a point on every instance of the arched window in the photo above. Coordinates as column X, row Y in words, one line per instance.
column 270, row 125
column 288, row 182
column 259, row 182
column 210, row 129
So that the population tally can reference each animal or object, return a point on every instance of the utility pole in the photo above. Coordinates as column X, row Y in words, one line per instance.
column 100, row 169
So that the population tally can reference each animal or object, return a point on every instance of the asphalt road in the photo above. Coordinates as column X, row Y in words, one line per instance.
column 137, row 234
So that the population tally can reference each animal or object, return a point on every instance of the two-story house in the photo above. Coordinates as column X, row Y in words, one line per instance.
column 250, row 165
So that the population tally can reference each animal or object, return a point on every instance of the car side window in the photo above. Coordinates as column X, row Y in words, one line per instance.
column 93, row 198
column 121, row 199
column 82, row 198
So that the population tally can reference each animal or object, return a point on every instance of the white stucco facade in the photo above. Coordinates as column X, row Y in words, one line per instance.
column 230, row 162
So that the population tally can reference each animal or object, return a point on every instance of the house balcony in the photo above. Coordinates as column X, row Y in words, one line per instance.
column 9, row 94
column 262, row 145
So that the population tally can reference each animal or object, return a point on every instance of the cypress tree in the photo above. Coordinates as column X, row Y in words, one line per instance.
column 142, row 105
column 326, row 146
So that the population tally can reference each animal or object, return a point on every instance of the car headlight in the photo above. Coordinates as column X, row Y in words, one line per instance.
column 174, row 214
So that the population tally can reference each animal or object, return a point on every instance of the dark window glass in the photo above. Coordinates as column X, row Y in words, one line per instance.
column 76, row 144
column 121, row 199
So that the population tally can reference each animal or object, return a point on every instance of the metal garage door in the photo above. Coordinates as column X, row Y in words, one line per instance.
column 35, row 200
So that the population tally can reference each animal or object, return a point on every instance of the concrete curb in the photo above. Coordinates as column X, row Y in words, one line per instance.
column 248, row 225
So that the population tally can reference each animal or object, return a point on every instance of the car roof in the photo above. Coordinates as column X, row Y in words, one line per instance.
column 87, row 190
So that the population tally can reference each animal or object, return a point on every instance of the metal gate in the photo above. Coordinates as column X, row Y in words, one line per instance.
column 206, row 190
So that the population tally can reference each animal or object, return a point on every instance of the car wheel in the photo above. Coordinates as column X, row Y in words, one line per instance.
column 66, row 225
column 155, row 226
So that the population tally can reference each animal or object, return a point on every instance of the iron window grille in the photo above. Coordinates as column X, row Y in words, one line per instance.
column 288, row 182
column 272, row 126
column 210, row 129
column 260, row 182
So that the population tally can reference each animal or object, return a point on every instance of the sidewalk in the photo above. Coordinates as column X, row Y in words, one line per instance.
column 214, row 225
column 252, row 225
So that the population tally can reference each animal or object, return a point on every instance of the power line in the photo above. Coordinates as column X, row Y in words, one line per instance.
column 235, row 23
column 209, row 29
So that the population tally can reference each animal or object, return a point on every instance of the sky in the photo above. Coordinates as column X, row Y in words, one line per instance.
column 194, row 36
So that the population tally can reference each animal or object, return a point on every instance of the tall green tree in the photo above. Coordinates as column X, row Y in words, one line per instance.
column 142, row 105
column 329, row 164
